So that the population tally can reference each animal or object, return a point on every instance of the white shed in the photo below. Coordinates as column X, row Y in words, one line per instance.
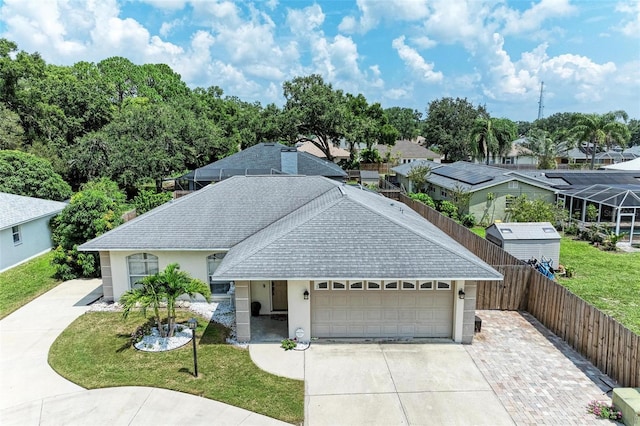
column 526, row 240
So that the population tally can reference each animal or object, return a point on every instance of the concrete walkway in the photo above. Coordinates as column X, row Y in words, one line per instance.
column 31, row 393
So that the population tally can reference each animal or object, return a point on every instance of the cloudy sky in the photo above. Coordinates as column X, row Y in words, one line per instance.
column 399, row 53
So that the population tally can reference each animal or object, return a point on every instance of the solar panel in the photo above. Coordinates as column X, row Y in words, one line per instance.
column 466, row 176
column 595, row 178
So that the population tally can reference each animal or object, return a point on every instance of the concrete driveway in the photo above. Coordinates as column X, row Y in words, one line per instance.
column 397, row 384
column 32, row 393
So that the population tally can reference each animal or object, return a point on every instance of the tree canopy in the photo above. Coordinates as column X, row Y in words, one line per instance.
column 25, row 174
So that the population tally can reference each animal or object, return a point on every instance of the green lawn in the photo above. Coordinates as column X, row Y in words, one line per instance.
column 608, row 280
column 479, row 230
column 95, row 352
column 22, row 284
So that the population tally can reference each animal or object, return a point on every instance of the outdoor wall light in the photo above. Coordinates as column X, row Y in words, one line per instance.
column 461, row 294
column 306, row 295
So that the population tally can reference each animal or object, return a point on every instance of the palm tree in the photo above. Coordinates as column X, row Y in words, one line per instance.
column 599, row 129
column 165, row 286
column 177, row 283
column 491, row 136
column 543, row 147
column 146, row 293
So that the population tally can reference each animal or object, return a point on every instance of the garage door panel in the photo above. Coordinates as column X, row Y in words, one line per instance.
column 340, row 315
column 356, row 315
column 382, row 313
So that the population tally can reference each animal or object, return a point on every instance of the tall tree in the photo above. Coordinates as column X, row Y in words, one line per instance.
column 26, row 174
column 600, row 129
column 407, row 121
column 317, row 111
column 448, row 126
column 491, row 137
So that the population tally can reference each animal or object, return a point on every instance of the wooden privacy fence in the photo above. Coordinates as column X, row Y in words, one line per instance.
column 610, row 346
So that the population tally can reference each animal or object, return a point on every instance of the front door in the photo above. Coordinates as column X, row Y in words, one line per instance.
column 279, row 300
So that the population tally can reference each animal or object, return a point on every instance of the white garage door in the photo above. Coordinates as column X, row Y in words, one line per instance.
column 365, row 311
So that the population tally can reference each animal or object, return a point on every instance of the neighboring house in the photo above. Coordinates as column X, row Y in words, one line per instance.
column 526, row 240
column 490, row 190
column 261, row 159
column 518, row 155
column 338, row 260
column 24, row 228
column 337, row 153
column 405, row 151
column 581, row 155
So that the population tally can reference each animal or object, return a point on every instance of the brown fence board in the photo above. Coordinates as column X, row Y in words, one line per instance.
column 611, row 347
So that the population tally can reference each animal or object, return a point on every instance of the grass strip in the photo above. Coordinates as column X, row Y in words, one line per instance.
column 22, row 284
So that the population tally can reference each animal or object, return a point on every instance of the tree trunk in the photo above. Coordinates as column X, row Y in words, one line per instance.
column 593, row 154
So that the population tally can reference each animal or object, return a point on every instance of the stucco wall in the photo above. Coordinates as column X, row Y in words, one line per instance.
column 194, row 262
column 299, row 309
column 36, row 239
column 469, row 315
column 261, row 292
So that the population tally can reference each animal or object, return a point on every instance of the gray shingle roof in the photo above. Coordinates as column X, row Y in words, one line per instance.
column 18, row 209
column 264, row 158
column 300, row 227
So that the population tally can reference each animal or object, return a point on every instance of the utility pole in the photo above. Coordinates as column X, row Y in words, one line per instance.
column 540, row 102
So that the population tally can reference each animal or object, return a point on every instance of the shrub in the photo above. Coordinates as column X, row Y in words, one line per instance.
column 423, row 198
column 289, row 344
column 448, row 209
column 468, row 220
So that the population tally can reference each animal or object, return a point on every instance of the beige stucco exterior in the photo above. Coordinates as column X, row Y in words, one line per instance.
column 115, row 283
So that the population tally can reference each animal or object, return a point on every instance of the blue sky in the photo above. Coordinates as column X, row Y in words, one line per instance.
column 399, row 53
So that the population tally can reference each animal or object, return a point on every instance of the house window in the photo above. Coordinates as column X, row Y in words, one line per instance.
column 443, row 193
column 391, row 285
column 217, row 287
column 373, row 285
column 338, row 285
column 408, row 285
column 508, row 160
column 141, row 265
column 17, row 236
column 508, row 201
column 513, row 184
column 443, row 286
column 356, row 285
column 322, row 285
column 425, row 285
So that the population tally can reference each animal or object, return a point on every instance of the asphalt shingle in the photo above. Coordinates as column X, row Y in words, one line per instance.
column 18, row 209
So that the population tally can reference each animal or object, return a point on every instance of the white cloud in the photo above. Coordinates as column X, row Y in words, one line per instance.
column 630, row 26
column 167, row 27
column 532, row 19
column 424, row 42
column 303, row 22
column 415, row 62
column 372, row 12
column 398, row 93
